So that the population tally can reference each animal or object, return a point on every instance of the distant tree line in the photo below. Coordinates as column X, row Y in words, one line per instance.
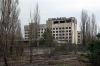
column 88, row 27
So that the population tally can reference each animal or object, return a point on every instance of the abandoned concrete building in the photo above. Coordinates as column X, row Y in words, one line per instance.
column 63, row 29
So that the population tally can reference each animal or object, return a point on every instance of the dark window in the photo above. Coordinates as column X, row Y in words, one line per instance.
column 62, row 27
column 59, row 37
column 62, row 21
column 56, row 31
column 66, row 37
column 53, row 34
column 62, row 31
column 59, row 28
column 69, row 30
column 66, row 30
column 62, row 37
column 63, row 34
column 53, row 31
column 70, row 34
column 68, row 20
column 70, row 37
column 55, row 22
column 53, row 28
column 69, row 27
column 66, row 27
column 78, row 36
column 56, row 37
column 56, row 34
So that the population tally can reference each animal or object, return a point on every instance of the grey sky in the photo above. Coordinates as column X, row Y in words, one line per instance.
column 59, row 8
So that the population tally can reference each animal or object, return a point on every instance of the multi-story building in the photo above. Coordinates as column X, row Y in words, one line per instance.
column 63, row 29
column 26, row 32
column 79, row 37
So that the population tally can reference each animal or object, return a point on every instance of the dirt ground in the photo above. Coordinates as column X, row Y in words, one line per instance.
column 57, row 60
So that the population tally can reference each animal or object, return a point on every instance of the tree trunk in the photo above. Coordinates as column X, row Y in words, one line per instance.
column 5, row 60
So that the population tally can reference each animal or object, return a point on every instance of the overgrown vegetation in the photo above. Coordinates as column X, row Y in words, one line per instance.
column 47, row 39
column 93, row 55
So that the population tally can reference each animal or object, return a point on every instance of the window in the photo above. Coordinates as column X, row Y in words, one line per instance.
column 50, row 28
column 66, row 30
column 55, row 22
column 70, row 34
column 69, row 37
column 42, row 29
column 56, row 37
column 56, row 34
column 69, row 30
column 53, row 31
column 25, row 30
column 78, row 39
column 62, row 34
column 62, row 21
column 59, row 37
column 53, row 28
column 59, row 31
column 26, row 35
column 69, row 27
column 66, row 37
column 63, row 31
column 59, row 28
column 66, row 27
column 62, row 27
column 56, row 31
column 62, row 37
column 53, row 34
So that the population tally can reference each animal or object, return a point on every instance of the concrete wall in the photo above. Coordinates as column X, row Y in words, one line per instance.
column 37, row 50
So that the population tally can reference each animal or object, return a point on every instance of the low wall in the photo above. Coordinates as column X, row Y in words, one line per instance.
column 38, row 50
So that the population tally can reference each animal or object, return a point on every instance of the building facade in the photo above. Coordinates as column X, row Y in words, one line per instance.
column 63, row 29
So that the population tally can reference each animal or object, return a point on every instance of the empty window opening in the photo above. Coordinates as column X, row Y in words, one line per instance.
column 62, row 21
column 68, row 20
column 55, row 22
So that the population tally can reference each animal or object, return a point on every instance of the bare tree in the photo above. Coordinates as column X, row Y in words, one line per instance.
column 8, row 18
column 18, row 40
column 94, row 27
column 88, row 28
column 36, row 20
column 33, row 29
column 84, row 19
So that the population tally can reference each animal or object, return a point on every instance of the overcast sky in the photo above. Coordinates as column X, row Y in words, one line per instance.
column 58, row 8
